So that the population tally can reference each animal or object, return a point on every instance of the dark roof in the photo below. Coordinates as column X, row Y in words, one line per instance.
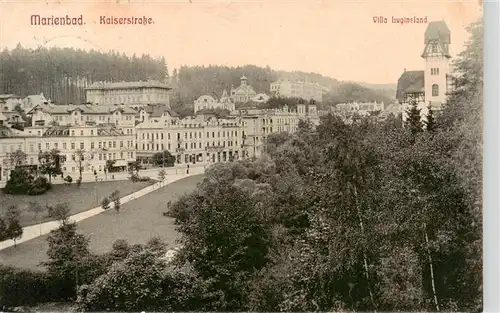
column 410, row 81
column 437, row 30
column 158, row 110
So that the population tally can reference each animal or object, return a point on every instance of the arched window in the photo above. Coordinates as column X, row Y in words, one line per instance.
column 435, row 90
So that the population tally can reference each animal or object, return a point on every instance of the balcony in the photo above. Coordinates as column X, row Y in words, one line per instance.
column 180, row 150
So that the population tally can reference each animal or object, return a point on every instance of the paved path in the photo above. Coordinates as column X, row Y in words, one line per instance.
column 34, row 231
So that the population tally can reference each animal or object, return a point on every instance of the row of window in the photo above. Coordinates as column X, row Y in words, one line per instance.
column 195, row 135
column 435, row 71
column 191, row 145
column 81, row 145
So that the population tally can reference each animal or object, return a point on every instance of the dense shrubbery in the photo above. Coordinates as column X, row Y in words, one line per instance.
column 22, row 182
column 22, row 287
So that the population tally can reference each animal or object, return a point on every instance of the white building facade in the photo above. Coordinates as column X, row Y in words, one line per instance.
column 134, row 94
column 299, row 89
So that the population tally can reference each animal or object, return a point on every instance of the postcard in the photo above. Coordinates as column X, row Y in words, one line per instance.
column 241, row 156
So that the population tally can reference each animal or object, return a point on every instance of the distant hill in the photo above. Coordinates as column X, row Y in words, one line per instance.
column 353, row 92
column 387, row 89
column 190, row 82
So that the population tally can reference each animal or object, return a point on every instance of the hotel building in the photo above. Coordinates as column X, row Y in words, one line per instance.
column 134, row 94
column 102, row 134
column 298, row 89
column 209, row 103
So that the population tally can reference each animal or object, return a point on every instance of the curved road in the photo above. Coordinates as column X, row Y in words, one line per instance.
column 137, row 222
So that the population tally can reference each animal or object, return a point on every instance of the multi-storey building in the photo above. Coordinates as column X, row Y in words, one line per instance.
column 362, row 108
column 134, row 94
column 297, row 89
column 207, row 102
column 9, row 102
column 243, row 93
column 101, row 134
column 259, row 124
column 199, row 139
column 84, row 114
column 429, row 88
column 97, row 143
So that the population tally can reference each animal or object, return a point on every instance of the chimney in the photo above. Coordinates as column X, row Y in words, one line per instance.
column 404, row 70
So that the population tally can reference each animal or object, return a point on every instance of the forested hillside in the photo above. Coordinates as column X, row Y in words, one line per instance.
column 190, row 82
column 354, row 92
column 63, row 73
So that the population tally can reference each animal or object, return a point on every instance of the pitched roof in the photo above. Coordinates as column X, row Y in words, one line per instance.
column 128, row 85
column 85, row 109
column 158, row 110
column 410, row 81
column 8, row 96
column 437, row 30
column 36, row 99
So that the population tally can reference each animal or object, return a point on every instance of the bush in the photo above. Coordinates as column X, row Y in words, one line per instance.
column 68, row 179
column 144, row 178
column 134, row 177
column 20, row 287
column 21, row 182
column 105, row 203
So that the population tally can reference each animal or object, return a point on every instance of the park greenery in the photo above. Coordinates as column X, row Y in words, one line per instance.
column 370, row 215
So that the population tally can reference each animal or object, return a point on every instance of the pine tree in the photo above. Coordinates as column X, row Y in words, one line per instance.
column 430, row 122
column 413, row 122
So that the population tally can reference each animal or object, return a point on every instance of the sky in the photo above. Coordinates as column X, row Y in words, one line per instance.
column 332, row 37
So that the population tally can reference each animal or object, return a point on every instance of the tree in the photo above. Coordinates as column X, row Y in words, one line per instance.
column 50, row 163
column 163, row 159
column 430, row 122
column 67, row 253
column 20, row 181
column 105, row 203
column 14, row 230
column 162, row 174
column 17, row 158
column 36, row 208
column 225, row 239
column 60, row 212
column 135, row 284
column 413, row 120
column 3, row 230
column 133, row 169
column 80, row 158
column 115, row 198
column 110, row 164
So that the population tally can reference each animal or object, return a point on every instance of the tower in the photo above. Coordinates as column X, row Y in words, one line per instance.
column 243, row 81
column 436, row 56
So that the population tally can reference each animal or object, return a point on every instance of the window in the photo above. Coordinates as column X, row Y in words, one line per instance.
column 82, row 145
column 435, row 90
column 64, row 145
column 72, row 146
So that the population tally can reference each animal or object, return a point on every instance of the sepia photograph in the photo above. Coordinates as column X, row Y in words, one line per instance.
column 263, row 156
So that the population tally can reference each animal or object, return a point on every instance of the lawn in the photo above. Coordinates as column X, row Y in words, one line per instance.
column 137, row 222
column 83, row 198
